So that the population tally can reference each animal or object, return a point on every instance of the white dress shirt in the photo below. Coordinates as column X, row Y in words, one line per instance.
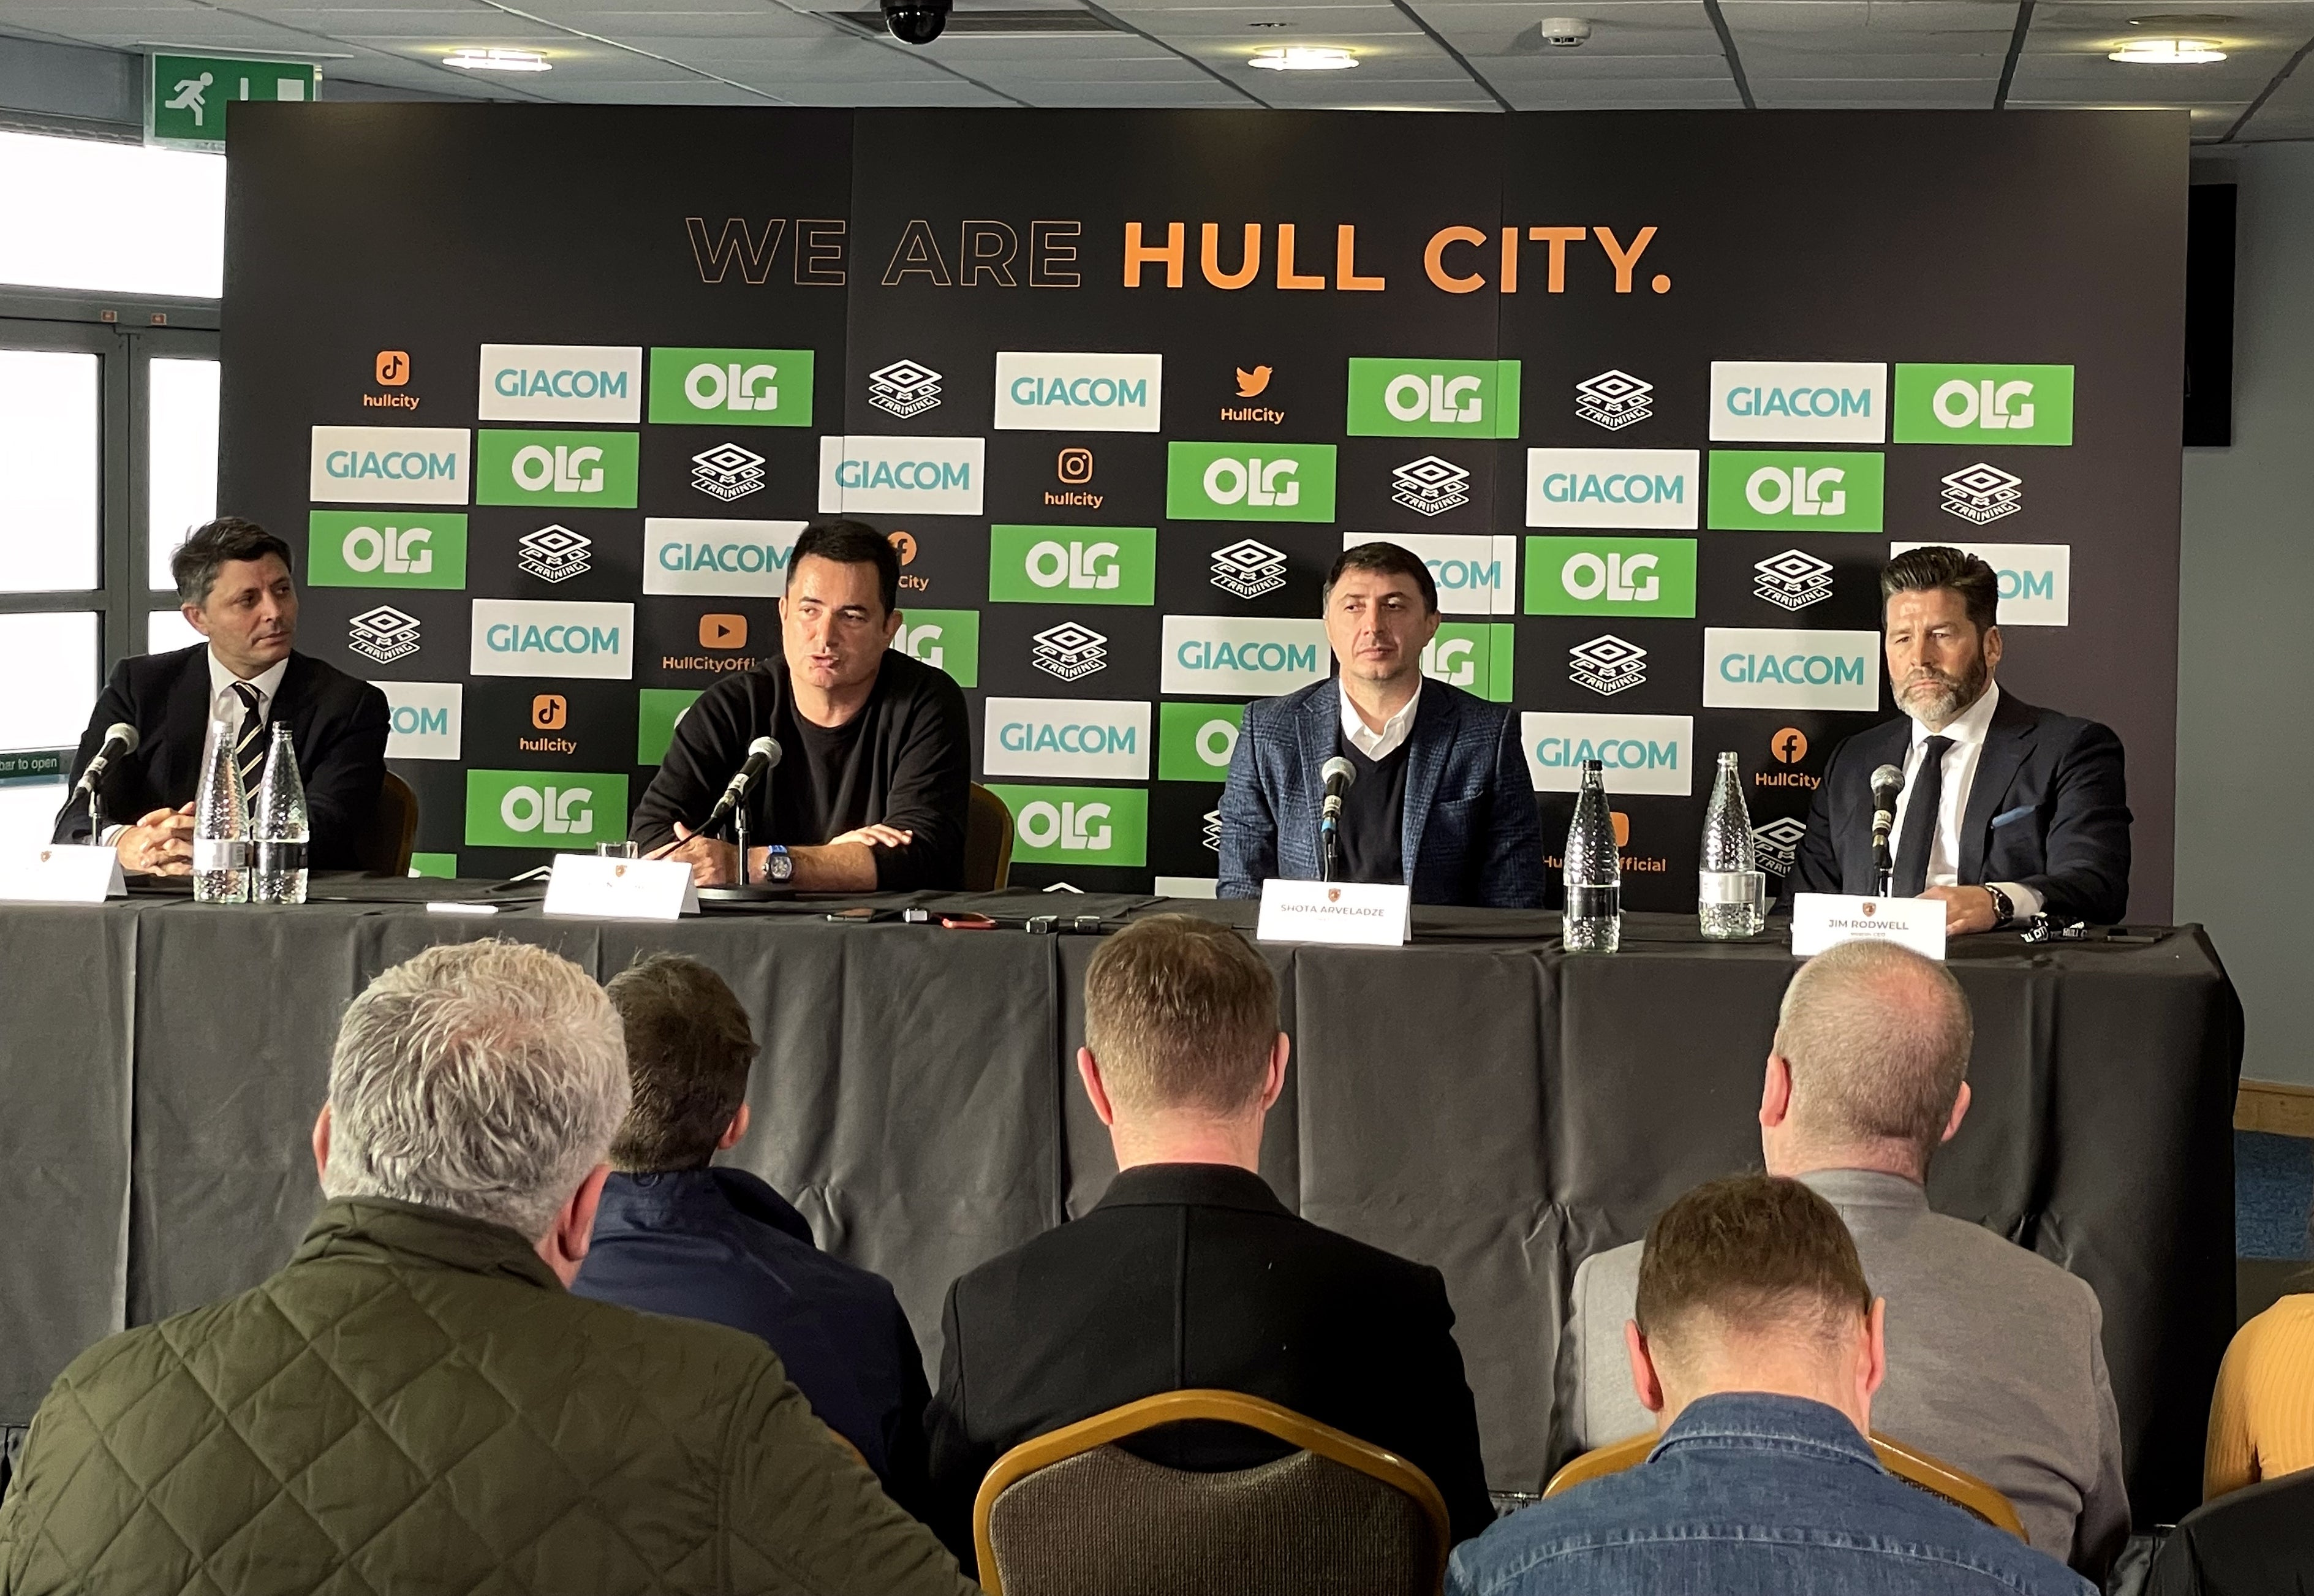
column 225, row 703
column 1967, row 735
column 1378, row 744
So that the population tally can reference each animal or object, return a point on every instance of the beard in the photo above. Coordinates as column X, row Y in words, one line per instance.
column 1935, row 699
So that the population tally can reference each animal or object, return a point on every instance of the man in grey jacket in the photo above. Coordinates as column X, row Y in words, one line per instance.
column 1995, row 1361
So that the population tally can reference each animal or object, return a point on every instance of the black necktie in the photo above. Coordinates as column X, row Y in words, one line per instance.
column 1921, row 806
column 248, row 751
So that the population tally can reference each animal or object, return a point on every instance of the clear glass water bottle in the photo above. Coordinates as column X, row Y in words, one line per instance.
column 1730, row 890
column 220, row 823
column 277, row 824
column 1592, row 874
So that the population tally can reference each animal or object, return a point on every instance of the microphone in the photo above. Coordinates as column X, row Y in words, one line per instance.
column 120, row 739
column 762, row 753
column 1887, row 782
column 1339, row 773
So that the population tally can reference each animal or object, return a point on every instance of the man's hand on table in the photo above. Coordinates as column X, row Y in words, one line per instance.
column 159, row 844
column 1967, row 909
column 716, row 864
column 712, row 863
column 876, row 836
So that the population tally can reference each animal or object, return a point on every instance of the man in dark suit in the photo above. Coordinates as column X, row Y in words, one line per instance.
column 1189, row 1273
column 1440, row 800
column 2008, row 811
column 234, row 583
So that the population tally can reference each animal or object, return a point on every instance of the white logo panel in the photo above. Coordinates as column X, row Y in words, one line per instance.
column 1066, row 736
column 1773, row 668
column 908, row 476
column 733, row 559
column 1046, row 393
column 560, row 382
column 1799, row 401
column 424, row 720
column 388, row 465
column 551, row 638
column 1656, row 488
column 2037, row 580
column 1476, row 575
column 1234, row 656
column 1641, row 753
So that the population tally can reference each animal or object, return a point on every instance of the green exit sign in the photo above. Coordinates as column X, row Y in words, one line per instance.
column 186, row 96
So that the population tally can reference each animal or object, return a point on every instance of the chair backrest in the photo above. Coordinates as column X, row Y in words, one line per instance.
column 1074, row 1514
column 1913, row 1467
column 385, row 847
column 987, row 841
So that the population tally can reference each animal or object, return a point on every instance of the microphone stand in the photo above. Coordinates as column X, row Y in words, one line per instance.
column 746, row 891
column 1883, row 871
column 1328, row 850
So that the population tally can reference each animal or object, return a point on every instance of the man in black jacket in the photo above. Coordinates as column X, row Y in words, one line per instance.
column 1189, row 1273
column 2007, row 810
column 2256, row 1541
column 234, row 585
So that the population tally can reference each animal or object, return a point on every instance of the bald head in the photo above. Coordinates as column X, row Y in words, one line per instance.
column 1877, row 1039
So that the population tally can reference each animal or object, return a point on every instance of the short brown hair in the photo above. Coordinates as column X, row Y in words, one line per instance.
column 1180, row 1014
column 1925, row 570
column 194, row 566
column 1754, row 1254
column 1878, row 1038
column 1392, row 559
column 688, row 1050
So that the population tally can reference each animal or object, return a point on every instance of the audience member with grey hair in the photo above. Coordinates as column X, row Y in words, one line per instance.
column 416, row 1402
column 1996, row 1362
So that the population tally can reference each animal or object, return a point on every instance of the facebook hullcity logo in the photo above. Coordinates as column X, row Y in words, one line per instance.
column 1241, row 655
column 1430, row 486
column 1792, row 580
column 560, row 382
column 1607, row 665
column 1982, row 494
column 1249, row 568
column 2036, row 580
column 552, row 554
column 1230, row 482
column 1602, row 576
column 1434, row 398
column 727, row 471
column 384, row 635
column 904, row 389
column 1646, row 753
column 2001, row 404
column 1074, row 565
column 551, row 638
column 731, row 387
column 739, row 559
column 1078, row 825
column 352, row 548
column 1772, row 491
column 1476, row 575
column 1476, row 657
column 424, row 720
column 1613, row 400
column 1647, row 488
column 388, row 465
column 1062, row 392
column 1747, row 668
column 1102, row 738
column 1070, row 651
column 583, row 470
column 1777, row 844
column 1796, row 402
column 920, row 476
column 558, row 809
column 945, row 639
column 1195, row 742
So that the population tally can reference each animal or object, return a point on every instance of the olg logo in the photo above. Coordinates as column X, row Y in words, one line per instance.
column 1078, row 392
column 731, row 387
column 1476, row 575
column 388, row 465
column 1066, row 736
column 1075, row 565
column 2037, row 580
column 424, row 720
column 520, row 638
column 1078, row 825
column 1832, row 401
column 1596, row 576
column 1659, row 488
column 699, row 555
column 1751, row 668
column 1434, row 398
column 559, row 809
column 1641, row 753
column 1477, row 659
column 1195, row 742
column 1230, row 482
column 945, row 639
column 1242, row 657
column 2005, row 404
column 588, row 470
column 560, row 382
column 1773, row 491
column 347, row 549
column 920, row 476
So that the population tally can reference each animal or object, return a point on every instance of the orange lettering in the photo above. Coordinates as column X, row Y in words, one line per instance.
column 1560, row 238
column 1437, row 268
column 1510, row 259
column 1138, row 254
column 1623, row 262
column 1346, row 263
column 1209, row 249
column 1286, row 276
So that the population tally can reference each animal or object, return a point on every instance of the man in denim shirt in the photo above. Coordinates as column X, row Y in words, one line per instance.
column 1757, row 1345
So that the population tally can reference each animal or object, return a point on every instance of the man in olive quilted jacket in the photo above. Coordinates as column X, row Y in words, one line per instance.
column 416, row 1403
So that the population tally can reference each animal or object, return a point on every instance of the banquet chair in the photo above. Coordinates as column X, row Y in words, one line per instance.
column 385, row 844
column 987, row 841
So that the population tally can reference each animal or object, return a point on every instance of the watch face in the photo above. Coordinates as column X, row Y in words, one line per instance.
column 779, row 866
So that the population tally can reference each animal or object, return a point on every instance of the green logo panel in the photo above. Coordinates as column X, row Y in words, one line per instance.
column 657, row 710
column 1785, row 490
column 583, row 470
column 731, row 387
column 1609, row 576
column 565, row 810
column 1249, row 481
column 1075, row 565
column 1434, row 398
column 1078, row 825
column 385, row 549
column 442, row 865
column 945, row 639
column 1989, row 404
column 1473, row 656
column 1195, row 741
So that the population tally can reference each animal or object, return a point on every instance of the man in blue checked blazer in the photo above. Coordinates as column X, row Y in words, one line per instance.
column 1441, row 800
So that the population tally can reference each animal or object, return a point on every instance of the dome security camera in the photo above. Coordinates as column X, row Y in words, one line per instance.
column 915, row 22
column 1563, row 32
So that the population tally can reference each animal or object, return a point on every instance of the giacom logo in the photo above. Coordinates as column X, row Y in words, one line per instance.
column 1252, row 385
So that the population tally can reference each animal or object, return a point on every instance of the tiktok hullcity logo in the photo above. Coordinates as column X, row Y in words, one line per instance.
column 1430, row 486
column 1607, row 665
column 1069, row 651
column 727, row 471
column 1982, row 494
column 1249, row 568
column 1792, row 580
column 384, row 634
column 553, row 553
column 904, row 389
column 1614, row 399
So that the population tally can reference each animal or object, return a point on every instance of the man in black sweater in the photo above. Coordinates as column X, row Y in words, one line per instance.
column 1190, row 1274
column 875, row 774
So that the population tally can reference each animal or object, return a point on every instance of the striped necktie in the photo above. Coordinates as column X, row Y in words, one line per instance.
column 248, row 751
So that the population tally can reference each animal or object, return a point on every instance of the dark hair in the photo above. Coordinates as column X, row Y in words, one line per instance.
column 688, row 1050
column 1180, row 1013
column 1926, row 569
column 194, row 566
column 1754, row 1254
column 1391, row 560
column 852, row 542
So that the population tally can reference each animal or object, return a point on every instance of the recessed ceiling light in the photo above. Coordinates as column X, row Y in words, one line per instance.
column 483, row 60
column 1302, row 57
column 2168, row 52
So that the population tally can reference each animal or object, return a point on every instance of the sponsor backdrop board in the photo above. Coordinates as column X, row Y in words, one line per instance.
column 551, row 391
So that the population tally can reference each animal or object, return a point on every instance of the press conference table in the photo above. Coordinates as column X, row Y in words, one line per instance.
column 1481, row 1100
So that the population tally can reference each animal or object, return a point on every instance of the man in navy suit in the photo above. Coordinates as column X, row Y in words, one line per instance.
column 1441, row 800
column 2008, row 811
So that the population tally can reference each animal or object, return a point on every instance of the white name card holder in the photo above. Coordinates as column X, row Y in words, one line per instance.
column 583, row 884
column 1822, row 920
column 1351, row 914
column 61, row 873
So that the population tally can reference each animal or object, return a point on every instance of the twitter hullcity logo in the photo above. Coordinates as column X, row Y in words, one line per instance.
column 1252, row 384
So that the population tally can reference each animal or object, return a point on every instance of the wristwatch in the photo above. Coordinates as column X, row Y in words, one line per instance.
column 2003, row 911
column 778, row 865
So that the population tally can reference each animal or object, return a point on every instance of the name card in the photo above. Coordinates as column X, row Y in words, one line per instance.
column 1354, row 914
column 61, row 873
column 1822, row 920
column 620, row 888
